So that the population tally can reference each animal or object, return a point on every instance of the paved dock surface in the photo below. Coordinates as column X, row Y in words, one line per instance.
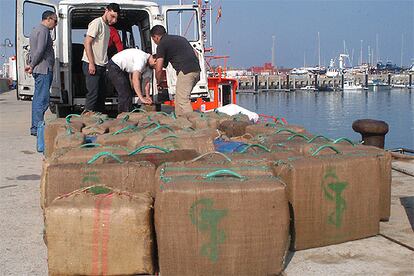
column 23, row 252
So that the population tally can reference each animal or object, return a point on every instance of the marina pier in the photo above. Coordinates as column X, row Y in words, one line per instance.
column 284, row 82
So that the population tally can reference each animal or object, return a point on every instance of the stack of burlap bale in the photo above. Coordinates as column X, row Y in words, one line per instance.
column 147, row 192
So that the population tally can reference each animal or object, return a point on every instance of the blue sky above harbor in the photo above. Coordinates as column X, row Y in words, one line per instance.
column 245, row 29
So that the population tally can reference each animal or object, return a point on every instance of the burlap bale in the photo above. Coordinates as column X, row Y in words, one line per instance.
column 124, row 139
column 134, row 116
column 116, row 124
column 206, row 120
column 102, row 234
column 91, row 118
column 67, row 140
column 95, row 129
column 52, row 128
column 60, row 179
column 233, row 128
column 333, row 198
column 384, row 160
column 199, row 143
column 83, row 155
column 295, row 142
column 271, row 128
column 240, row 118
column 211, row 162
column 157, row 158
column 161, row 117
column 217, row 228
column 74, row 156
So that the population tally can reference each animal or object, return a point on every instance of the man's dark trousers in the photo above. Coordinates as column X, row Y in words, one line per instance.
column 120, row 81
column 95, row 84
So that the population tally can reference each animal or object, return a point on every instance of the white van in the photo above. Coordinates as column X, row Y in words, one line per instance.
column 134, row 23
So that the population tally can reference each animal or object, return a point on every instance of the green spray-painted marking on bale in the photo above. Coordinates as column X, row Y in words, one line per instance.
column 206, row 218
column 98, row 190
column 91, row 177
column 331, row 182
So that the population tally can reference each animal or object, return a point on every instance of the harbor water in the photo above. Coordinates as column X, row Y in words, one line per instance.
column 332, row 113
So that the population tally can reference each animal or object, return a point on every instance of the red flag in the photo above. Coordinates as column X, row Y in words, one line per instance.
column 219, row 11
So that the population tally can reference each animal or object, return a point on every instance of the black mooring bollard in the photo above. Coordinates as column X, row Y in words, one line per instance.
column 372, row 131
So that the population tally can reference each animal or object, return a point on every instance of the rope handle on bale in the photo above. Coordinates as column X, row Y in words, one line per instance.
column 223, row 172
column 150, row 124
column 210, row 153
column 343, row 139
column 69, row 131
column 247, row 135
column 142, row 148
column 158, row 128
column 138, row 110
column 159, row 112
column 90, row 145
column 280, row 130
column 116, row 148
column 128, row 127
column 104, row 153
column 248, row 146
column 317, row 137
column 325, row 147
column 170, row 136
column 70, row 117
column 125, row 118
column 304, row 137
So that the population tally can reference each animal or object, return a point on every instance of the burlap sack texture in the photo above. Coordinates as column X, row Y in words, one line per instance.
column 69, row 140
column 134, row 116
column 221, row 225
column 74, row 156
column 100, row 232
column 156, row 158
column 53, row 128
column 60, row 179
column 333, row 198
column 271, row 128
column 120, row 139
column 84, row 154
column 210, row 162
column 384, row 160
column 233, row 128
column 206, row 120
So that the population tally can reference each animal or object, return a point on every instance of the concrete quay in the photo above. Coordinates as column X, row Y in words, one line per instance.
column 23, row 252
column 257, row 83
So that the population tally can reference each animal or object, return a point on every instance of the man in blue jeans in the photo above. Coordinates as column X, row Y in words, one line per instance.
column 42, row 59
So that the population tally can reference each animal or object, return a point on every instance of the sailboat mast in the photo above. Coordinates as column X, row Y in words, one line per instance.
column 402, row 48
column 211, row 24
column 319, row 50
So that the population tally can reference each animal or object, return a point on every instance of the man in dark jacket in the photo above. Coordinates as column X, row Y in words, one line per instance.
column 177, row 50
column 42, row 59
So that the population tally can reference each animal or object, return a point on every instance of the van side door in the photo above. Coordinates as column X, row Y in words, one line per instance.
column 29, row 16
column 184, row 20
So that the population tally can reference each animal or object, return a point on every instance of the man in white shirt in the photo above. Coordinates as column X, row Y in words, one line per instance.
column 95, row 57
column 137, row 63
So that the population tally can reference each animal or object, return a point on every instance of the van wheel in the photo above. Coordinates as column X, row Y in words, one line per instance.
column 52, row 107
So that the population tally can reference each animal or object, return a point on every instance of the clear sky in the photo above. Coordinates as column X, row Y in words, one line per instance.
column 246, row 27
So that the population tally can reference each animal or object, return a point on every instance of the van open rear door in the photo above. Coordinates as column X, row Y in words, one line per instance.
column 29, row 16
column 184, row 20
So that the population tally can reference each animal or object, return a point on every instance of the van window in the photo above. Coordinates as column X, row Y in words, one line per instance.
column 137, row 36
column 183, row 23
column 32, row 13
